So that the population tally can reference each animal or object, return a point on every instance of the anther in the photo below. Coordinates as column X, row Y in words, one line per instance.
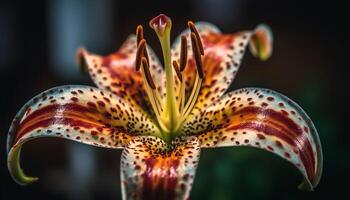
column 194, row 30
column 177, row 70
column 145, row 67
column 139, row 34
column 139, row 53
column 183, row 54
column 139, row 38
column 145, row 53
column 197, row 55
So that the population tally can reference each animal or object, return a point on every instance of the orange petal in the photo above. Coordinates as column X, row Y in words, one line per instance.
column 150, row 170
column 117, row 73
column 223, row 55
column 264, row 119
column 80, row 113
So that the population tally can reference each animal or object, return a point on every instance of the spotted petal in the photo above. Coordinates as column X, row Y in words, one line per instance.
column 117, row 73
column 149, row 170
column 223, row 56
column 80, row 113
column 263, row 119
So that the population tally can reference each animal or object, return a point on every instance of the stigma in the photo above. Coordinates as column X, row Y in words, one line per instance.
column 170, row 112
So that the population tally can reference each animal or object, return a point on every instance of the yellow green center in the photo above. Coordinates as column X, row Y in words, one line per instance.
column 171, row 112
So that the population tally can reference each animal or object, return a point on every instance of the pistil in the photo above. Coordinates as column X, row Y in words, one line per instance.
column 162, row 26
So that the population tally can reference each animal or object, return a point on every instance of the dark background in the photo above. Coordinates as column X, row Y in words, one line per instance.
column 38, row 40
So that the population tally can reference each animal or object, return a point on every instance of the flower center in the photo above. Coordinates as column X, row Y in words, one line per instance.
column 170, row 112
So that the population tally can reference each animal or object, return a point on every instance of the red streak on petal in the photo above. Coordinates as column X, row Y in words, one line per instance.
column 57, row 107
column 55, row 120
column 160, row 178
column 57, row 114
column 299, row 136
column 300, row 142
column 269, row 113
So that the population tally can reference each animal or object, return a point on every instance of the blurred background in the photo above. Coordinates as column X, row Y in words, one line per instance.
column 38, row 40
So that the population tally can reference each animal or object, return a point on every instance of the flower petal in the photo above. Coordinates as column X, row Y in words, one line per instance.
column 264, row 119
column 149, row 171
column 222, row 58
column 80, row 113
column 117, row 73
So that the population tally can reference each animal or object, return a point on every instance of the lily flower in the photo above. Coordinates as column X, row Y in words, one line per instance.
column 162, row 117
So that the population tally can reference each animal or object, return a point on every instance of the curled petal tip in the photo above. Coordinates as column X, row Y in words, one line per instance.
column 29, row 180
column 80, row 59
column 310, row 184
column 16, row 171
column 261, row 42
column 306, row 186
column 160, row 24
column 71, row 113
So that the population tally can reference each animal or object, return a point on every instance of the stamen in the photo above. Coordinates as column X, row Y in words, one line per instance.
column 194, row 30
column 142, row 53
column 139, row 53
column 177, row 70
column 152, row 94
column 145, row 67
column 183, row 55
column 182, row 96
column 139, row 34
column 191, row 101
column 196, row 49
column 158, row 100
column 145, row 53
column 179, row 76
column 197, row 55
